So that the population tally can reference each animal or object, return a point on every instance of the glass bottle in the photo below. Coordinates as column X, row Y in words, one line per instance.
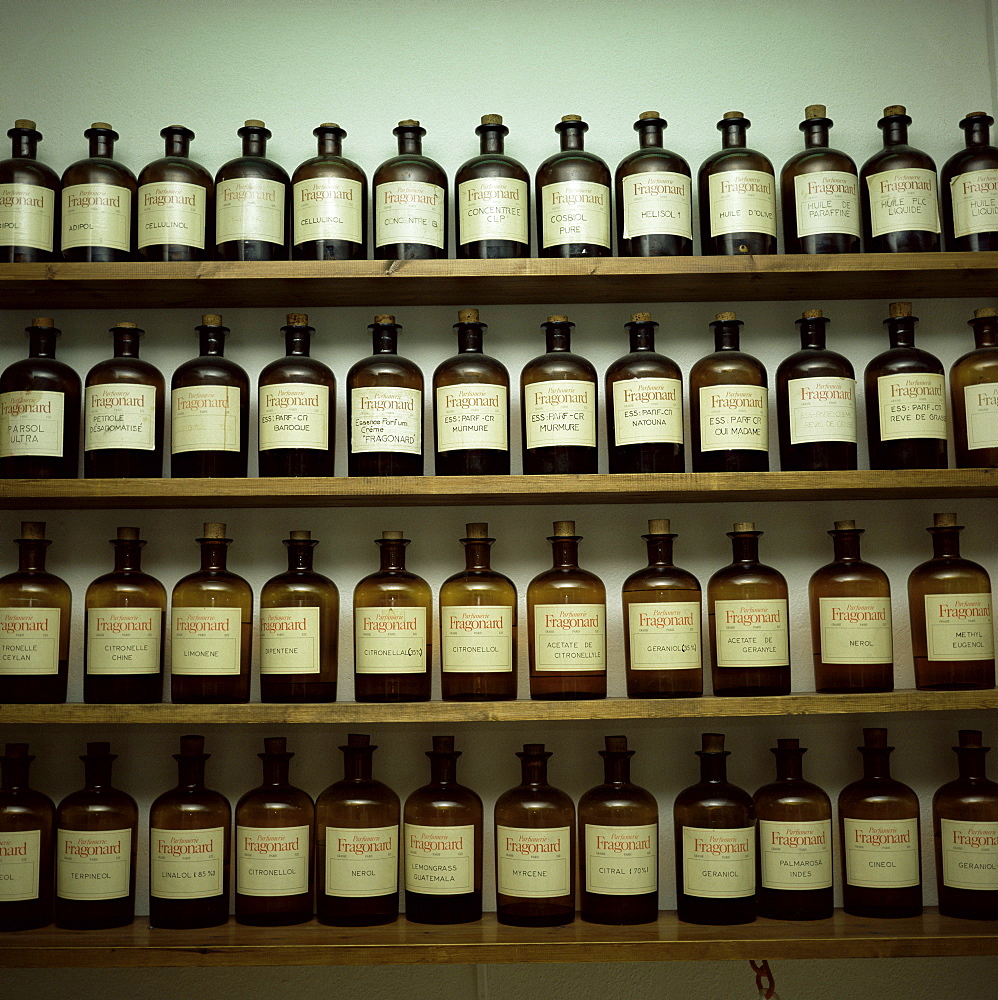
column 558, row 407
column 29, row 200
column 96, row 831
column 852, row 638
column 949, row 603
column 212, row 626
column 661, row 605
column 123, row 413
column 905, row 400
column 715, row 844
column 98, row 203
column 471, row 407
column 393, row 634
column 898, row 188
column 974, row 394
column 124, row 621
column 478, row 626
column 618, row 844
column 330, row 202
column 535, row 848
column 566, row 624
column 189, row 847
column 357, row 844
column 35, row 619
column 729, row 405
column 747, row 608
column 410, row 201
column 492, row 214
column 385, row 408
column 210, row 403
column 297, row 407
column 40, row 411
column 442, row 841
column 299, row 629
column 176, row 203
column 969, row 181
column 252, row 207
column 879, row 834
column 275, row 825
column 816, row 403
column 794, row 847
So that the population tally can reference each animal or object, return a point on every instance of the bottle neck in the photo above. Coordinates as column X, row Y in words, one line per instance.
column 31, row 555
column 178, row 145
column 254, row 144
column 443, row 769
column 357, row 764
column 330, row 145
column 745, row 548
column 385, row 339
column 726, row 337
column 985, row 332
column 190, row 772
column 469, row 338
column 642, row 337
column 492, row 140
column 733, row 135
column 896, row 133
column 978, row 132
column 573, row 137
column 812, row 334
column 789, row 765
column 846, row 545
column 102, row 145
column 41, row 342
column 477, row 554
column 212, row 341
column 616, row 768
column 14, row 773
column 276, row 768
column 558, row 338
column 300, row 554
column 297, row 341
column 713, row 766
column 816, row 135
column 970, row 760
column 946, row 542
column 97, row 772
column 660, row 550
column 126, row 343
column 565, row 553
column 534, row 771
column 24, row 147
column 410, row 143
column 876, row 762
column 901, row 331
column 392, row 554
column 213, row 554
column 127, row 555
column 650, row 136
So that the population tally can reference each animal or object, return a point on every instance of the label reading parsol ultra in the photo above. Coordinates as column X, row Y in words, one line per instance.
column 648, row 411
column 575, row 212
column 569, row 637
column 390, row 640
column 959, row 627
column 752, row 633
column 734, row 416
column 912, row 406
column 31, row 423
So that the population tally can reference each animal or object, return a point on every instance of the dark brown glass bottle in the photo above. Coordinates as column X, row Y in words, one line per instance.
column 275, row 826
column 393, row 633
column 618, row 844
column 299, row 629
column 969, row 182
column 29, row 200
column 123, row 413
column 297, row 405
column 879, row 834
column 212, row 625
column 816, row 403
column 176, row 203
column 125, row 619
column 27, row 823
column 492, row 213
column 96, row 833
column 35, row 619
column 749, row 622
column 794, row 846
column 965, row 829
column 40, row 411
column 189, row 847
column 535, row 848
column 729, row 405
column 442, row 841
column 898, row 187
column 478, row 626
column 973, row 385
column 357, row 844
column 210, row 401
column 330, row 202
column 905, row 400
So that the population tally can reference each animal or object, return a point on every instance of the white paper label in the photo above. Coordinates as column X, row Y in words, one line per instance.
column 186, row 864
column 249, row 208
column 390, row 640
column 534, row 863
column 362, row 861
column 96, row 215
column 328, row 208
column 27, row 216
column 205, row 418
column 664, row 635
column 981, row 407
column 734, row 416
column 575, row 212
column 294, row 415
column 621, row 860
column 796, row 855
column 742, row 201
column 439, row 860
column 206, row 641
column 657, row 201
column 719, row 864
column 560, row 412
column 272, row 861
column 386, row 419
column 472, row 415
column 172, row 212
column 93, row 864
column 31, row 423
column 20, row 862
column 856, row 630
column 881, row 853
column 289, row 641
column 29, row 641
column 752, row 633
column 476, row 640
column 827, row 201
column 903, row 199
column 969, row 854
column 822, row 409
column 912, row 406
column 648, row 411
column 409, row 212
column 959, row 627
column 975, row 202
column 493, row 208
column 120, row 415
column 570, row 637
column 123, row 640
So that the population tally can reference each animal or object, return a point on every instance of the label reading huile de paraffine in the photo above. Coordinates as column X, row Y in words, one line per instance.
column 575, row 212
column 822, row 409
column 205, row 418
column 31, row 423
column 902, row 200
column 912, row 406
column 249, row 208
column 362, row 861
column 27, row 216
column 476, row 639
column 439, row 860
column 734, row 416
column 118, row 415
column 560, row 412
column 123, row 640
column 795, row 855
column 981, row 407
column 959, row 627
column 20, row 864
column 621, row 860
column 827, row 201
column 93, row 864
column 569, row 637
column 969, row 854
column 752, row 633
column 389, row 640
column 206, row 641
column 664, row 635
column 409, row 212
column 881, row 853
column 472, row 416
column 742, row 201
column 975, row 202
column 171, row 212
column 29, row 641
column 534, row 862
column 294, row 415
column 272, row 861
column 657, row 201
column 718, row 863
column 96, row 215
column 648, row 411
column 186, row 864
column 493, row 208
column 386, row 418
column 856, row 630
column 328, row 208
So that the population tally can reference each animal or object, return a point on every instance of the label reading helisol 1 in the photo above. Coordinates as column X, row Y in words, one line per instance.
column 27, row 216
column 822, row 409
column 718, row 864
column 171, row 212
column 981, row 407
column 827, row 201
column 29, row 641
column 493, row 208
column 569, row 637
column 476, row 639
column 272, row 861
column 621, row 860
column 472, row 415
column 959, row 627
column 409, row 212
column 206, row 641
column 575, row 212
column 734, row 416
column 249, row 208
column 294, row 415
column 362, row 861
column 881, row 853
column 664, row 635
column 328, row 208
column 856, row 630
column 20, row 864
column 561, row 412
column 31, row 423
column 903, row 199
column 120, row 415
column 289, row 641
column 752, row 633
column 648, row 411
column 186, row 864
column 439, row 860
column 96, row 215
column 205, row 418
column 92, row 865
column 390, row 640
column 912, row 406
column 742, row 201
column 975, row 202
column 123, row 640
column 657, row 202
column 969, row 854
column 796, row 855
column 534, row 863
column 386, row 419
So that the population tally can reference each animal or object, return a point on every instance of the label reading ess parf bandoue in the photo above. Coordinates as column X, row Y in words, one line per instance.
column 294, row 415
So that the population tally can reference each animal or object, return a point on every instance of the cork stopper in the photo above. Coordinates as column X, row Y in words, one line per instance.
column 743, row 526
column 192, row 746
column 895, row 109
column 875, row 738
column 43, row 321
column 733, row 114
column 301, row 536
column 128, row 534
column 329, row 125
column 815, row 111
column 899, row 309
column 564, row 529
column 16, row 750
column 443, row 744
column 640, row 317
column 845, row 525
column 384, row 318
column 615, row 744
column 358, row 740
column 297, row 319
column 659, row 526
column 727, row 317
column 812, row 314
column 391, row 535
column 571, row 118
column 34, row 530
column 124, row 325
column 492, row 119
column 944, row 520
column 969, row 114
column 214, row 529
column 986, row 313
column 211, row 319
column 98, row 749
column 557, row 319
column 102, row 125
column 467, row 316
column 275, row 744
column 409, row 123
column 971, row 738
column 477, row 529
column 254, row 123
column 24, row 123
column 788, row 744
column 712, row 743
column 649, row 114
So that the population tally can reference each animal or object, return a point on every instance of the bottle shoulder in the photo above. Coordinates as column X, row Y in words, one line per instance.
column 898, row 360
column 470, row 367
column 491, row 165
column 410, row 167
column 815, row 363
column 21, row 170
column 747, row 575
column 970, row 159
column 897, row 157
column 572, row 165
column 740, row 158
column 39, row 373
column 116, row 370
column 722, row 367
column 652, row 159
column 296, row 584
column 556, row 366
column 209, row 369
column 661, row 578
column 296, row 368
column 329, row 165
column 251, row 168
column 175, row 169
column 819, row 160
column 642, row 364
column 358, row 793
column 99, row 170
column 368, row 371
column 272, row 799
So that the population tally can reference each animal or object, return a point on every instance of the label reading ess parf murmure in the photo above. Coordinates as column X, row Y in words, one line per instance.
column 560, row 412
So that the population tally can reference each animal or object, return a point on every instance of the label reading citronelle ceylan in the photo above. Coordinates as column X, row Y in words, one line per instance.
column 205, row 418
column 439, row 860
column 560, row 412
column 390, row 640
column 827, row 201
column 795, row 855
column 752, row 633
column 96, row 215
column 493, row 208
column 970, row 854
column 123, row 640
column 386, row 418
column 476, row 639
column 959, row 627
column 272, row 861
column 328, row 208
column 409, row 212
column 249, row 208
column 31, row 423
column 575, row 212
column 206, row 641
column 664, row 635
column 92, row 864
column 822, row 409
column 742, row 201
column 20, row 864
column 901, row 200
column 29, row 641
column 621, row 860
column 289, row 641
column 718, row 864
column 186, row 864
column 362, row 861
column 657, row 202
column 734, row 416
column 648, row 411
column 856, row 630
column 119, row 415
column 294, row 415
column 912, row 406
column 535, row 863
column 881, row 853
column 27, row 216
column 472, row 415
column 171, row 212
column 981, row 407
column 569, row 637
column 975, row 202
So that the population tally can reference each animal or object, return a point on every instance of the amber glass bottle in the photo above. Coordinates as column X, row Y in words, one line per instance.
column 212, row 624
column 210, row 400
column 297, row 403
column 357, row 844
column 96, row 832
column 478, row 626
column 969, row 181
column 393, row 633
column 879, row 833
column 471, row 407
column 299, row 629
column 29, row 200
column 949, row 602
column 40, row 411
column 965, row 828
column 123, row 413
column 794, row 845
column 27, row 822
column 973, row 385
column 35, row 619
column 442, row 841
column 644, row 405
column 275, row 826
column 329, row 194
column 189, row 847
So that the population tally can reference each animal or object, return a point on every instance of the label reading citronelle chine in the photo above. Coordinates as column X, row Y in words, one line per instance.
column 981, row 408
column 206, row 641
column 621, row 860
column 29, row 641
column 493, row 208
column 472, row 416
column 657, row 202
column 249, row 208
column 534, row 862
column 386, row 418
column 362, row 861
column 31, row 423
column 795, row 855
column 328, row 208
column 409, row 212
column 171, row 212
column 742, row 201
column 439, row 860
column 272, row 861
column 959, row 627
column 822, row 409
column 881, row 853
column 975, row 202
column 186, row 864
column 575, row 212
column 560, row 412
column 718, row 864
column 119, row 415
column 294, row 415
column 752, row 633
column 27, row 216
column 734, row 416
column 476, row 639
column 92, row 864
column 827, row 201
column 902, row 200
column 20, row 865
column 648, row 411
column 912, row 406
column 205, row 418
column 123, row 640
column 390, row 640
column 289, row 641
column 569, row 637
column 856, row 630
column 96, row 215
column 969, row 854
column 664, row 635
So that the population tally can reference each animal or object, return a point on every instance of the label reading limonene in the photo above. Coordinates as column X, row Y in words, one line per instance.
column 881, row 853
column 856, row 630
column 532, row 862
column 29, row 641
column 493, row 208
column 575, row 212
column 96, row 215
column 560, row 412
column 621, row 860
column 92, row 865
column 912, row 406
column 206, row 641
column 171, row 212
column 827, row 201
column 294, row 415
column 390, row 640
column 328, row 208
column 664, row 635
column 31, row 423
column 975, row 202
column 969, row 854
column 959, row 627
column 472, row 415
column 752, row 633
column 362, row 861
column 186, row 864
column 27, row 216
column 205, row 418
column 822, row 409
column 123, row 640
column 718, row 864
column 981, row 407
column 795, row 855
column 120, row 415
column 20, row 864
column 386, row 419
column 409, row 212
column 289, row 641
column 657, row 201
column 272, row 861
column 734, row 416
column 742, row 201
column 476, row 639
column 903, row 199
column 569, row 637
column 249, row 208
column 439, row 860
column 648, row 411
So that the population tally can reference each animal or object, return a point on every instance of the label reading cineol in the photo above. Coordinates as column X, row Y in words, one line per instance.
column 969, row 854
column 289, row 640
column 796, row 855
column 123, row 640
column 981, row 407
column 439, row 860
column 822, row 409
column 742, row 201
column 186, row 864
column 493, row 208
column 560, row 412
column 249, row 208
column 657, row 201
column 472, row 415
column 856, row 630
column 171, row 212
column 120, row 415
column 294, row 415
column 959, row 627
column 92, row 865
column 621, row 860
column 205, row 418
column 96, row 215
column 272, row 861
column 718, row 864
column 903, row 199
column 912, row 406
column 362, row 861
column 570, row 637
column 734, row 416
column 206, row 641
column 390, row 640
column 386, row 419
column 20, row 864
column 648, row 411
column 575, row 212
column 409, row 212
column 328, row 208
column 535, row 863
column 975, row 202
column 29, row 641
column 881, row 853
column 476, row 639
column 27, row 217
column 827, row 201
column 664, row 635
column 31, row 423
column 752, row 633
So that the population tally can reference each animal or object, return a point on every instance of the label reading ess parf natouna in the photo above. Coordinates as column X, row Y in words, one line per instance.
column 648, row 411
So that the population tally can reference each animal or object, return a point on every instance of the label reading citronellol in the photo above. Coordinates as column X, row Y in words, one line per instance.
column 718, row 864
column 969, row 854
column 657, row 201
column 734, row 416
column 881, row 853
column 171, row 212
column 272, row 861
column 473, row 415
column 362, row 861
column 959, row 627
column 27, row 216
column 981, row 407
column 901, row 200
column 390, row 640
column 975, row 202
column 795, row 855
column 569, row 637
column 205, row 418
column 386, row 419
column 664, row 635
column 827, row 201
column 249, row 208
column 92, row 864
column 409, row 212
column 206, row 640
column 289, row 641
column 294, row 415
column 621, row 860
column 856, row 630
column 29, row 641
column 561, row 412
column 534, row 863
column 575, row 212
column 752, row 633
column 123, row 640
column 822, row 409
column 648, row 410
column 493, row 208
column 439, row 860
column 742, row 201
column 20, row 864
column 96, row 215
column 120, row 415
column 186, row 864
column 912, row 406
column 31, row 423
column 476, row 639
column 328, row 208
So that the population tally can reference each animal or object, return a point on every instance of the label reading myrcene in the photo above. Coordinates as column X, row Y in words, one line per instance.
column 881, row 853
column 119, row 416
column 648, row 410
column 912, row 406
column 123, row 640
column 409, row 212
column 27, row 216
column 328, row 208
column 96, row 215
column 294, row 415
column 570, row 637
column 205, row 418
column 31, row 423
column 171, row 212
column 29, row 641
column 856, row 630
column 439, row 860
column 657, row 201
column 969, row 854
column 975, row 202
column 621, row 860
column 206, row 641
column 959, row 627
column 362, row 862
column 664, row 635
column 92, row 864
column 734, row 416
column 20, row 864
column 827, row 201
column 249, row 208
column 390, row 640
column 476, row 639
column 752, row 633
column 186, row 864
column 575, row 212
column 981, row 406
column 560, row 412
column 822, row 409
column 903, row 199
column 742, row 201
column 386, row 419
column 289, row 640
column 795, row 855
column 493, row 208
column 719, row 864
column 272, row 861
column 473, row 415
column 534, row 863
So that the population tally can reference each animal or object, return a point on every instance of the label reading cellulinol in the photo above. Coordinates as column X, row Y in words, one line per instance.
column 719, row 864
column 476, row 639
column 856, row 630
column 881, row 853
column 621, row 860
column 493, row 208
column 959, row 627
column 386, row 419
column 822, row 409
column 120, row 416
column 20, row 864
column 186, row 864
column 648, row 410
column 206, row 641
column 409, row 212
column 171, row 212
column 362, row 862
column 657, row 201
column 390, row 640
column 903, row 199
column 752, row 633
column 796, row 855
column 981, row 407
column 742, row 201
column 473, row 415
column 205, row 418
column 975, row 202
column 96, row 215
column 827, row 201
column 328, row 208
column 29, row 641
column 969, row 854
column 569, row 637
column 912, row 406
column 249, row 208
column 734, row 416
column 31, row 423
column 561, row 412
column 289, row 641
column 294, row 415
column 534, row 863
column 439, row 860
column 123, row 640
column 664, row 636
column 272, row 861
column 575, row 212
column 92, row 864
column 27, row 216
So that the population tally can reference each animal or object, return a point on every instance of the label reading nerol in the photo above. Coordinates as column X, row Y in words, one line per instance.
column 827, row 201
column 534, row 863
column 881, row 853
column 472, row 415
column 981, row 407
column 119, row 415
column 570, row 637
column 959, row 627
column 96, row 215
column 718, row 864
column 664, row 635
column 294, row 415
column 362, row 861
column 386, row 419
column 328, row 208
column 409, row 212
column 171, row 212
column 206, row 641
column 575, row 212
column 123, row 640
column 29, row 641
column 796, row 855
column 752, row 633
column 734, row 416
column 272, row 861
column 390, row 640
column 560, row 412
column 657, row 201
column 912, row 406
column 476, row 639
column 822, row 409
column 289, row 641
column 31, row 423
column 93, row 864
column 621, row 860
column 970, row 854
column 439, row 860
column 648, row 411
column 249, row 208
column 27, row 216
column 20, row 864
column 205, row 418
column 742, row 201
column 186, row 864
column 493, row 208
column 903, row 199
column 856, row 630
column 975, row 202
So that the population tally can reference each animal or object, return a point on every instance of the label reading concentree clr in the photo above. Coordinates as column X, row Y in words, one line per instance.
column 294, row 415
column 742, row 201
column 827, row 201
column 206, row 641
column 473, row 415
column 881, row 853
column 718, row 864
column 795, row 855
column 912, row 406
column 96, row 215
column 249, row 208
column 272, row 861
column 534, row 863
column 621, row 860
column 560, row 412
column 734, row 416
column 328, row 208
column 822, row 409
column 476, row 639
column 20, row 864
column 362, row 861
column 205, row 418
column 439, row 860
column 27, row 216
column 92, row 864
column 981, row 407
column 123, row 640
column 657, row 201
column 752, row 633
column 570, row 637
column 409, row 212
column 29, row 641
column 856, row 630
column 386, row 419
column 171, row 212
column 664, row 635
column 903, row 199
column 31, row 423
column 975, row 202
column 289, row 641
column 969, row 854
column 119, row 415
column 390, row 640
column 959, row 627
column 186, row 864
column 493, row 208
column 575, row 212
column 648, row 410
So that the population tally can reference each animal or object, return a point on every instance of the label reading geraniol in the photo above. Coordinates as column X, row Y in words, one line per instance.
column 975, row 202
column 362, row 861
column 734, row 416
column 959, row 627
column 294, row 415
column 822, row 409
column 493, row 208
column 186, row 864
column 386, row 419
column 171, row 212
column 881, row 853
column 560, row 412
column 981, row 407
column 856, row 630
column 534, row 863
column 206, row 641
column 657, row 201
column 120, row 416
column 473, row 415
column 570, row 637
column 439, row 860
column 27, row 216
column 752, row 633
column 31, row 423
column 272, row 861
column 328, row 208
column 96, row 215
column 123, row 640
column 249, row 208
column 575, row 212
column 912, row 406
column 621, row 860
column 970, row 854
column 476, row 639
column 289, row 641
column 827, row 201
column 719, row 864
column 92, row 865
column 205, row 418
column 29, row 641
column 901, row 200
column 742, row 201
column 664, row 635
column 390, row 640
column 648, row 410
column 409, row 212
column 796, row 855
column 20, row 864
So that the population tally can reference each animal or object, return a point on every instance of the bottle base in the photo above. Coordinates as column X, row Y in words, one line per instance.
column 552, row 921
column 358, row 922
column 273, row 919
column 883, row 912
